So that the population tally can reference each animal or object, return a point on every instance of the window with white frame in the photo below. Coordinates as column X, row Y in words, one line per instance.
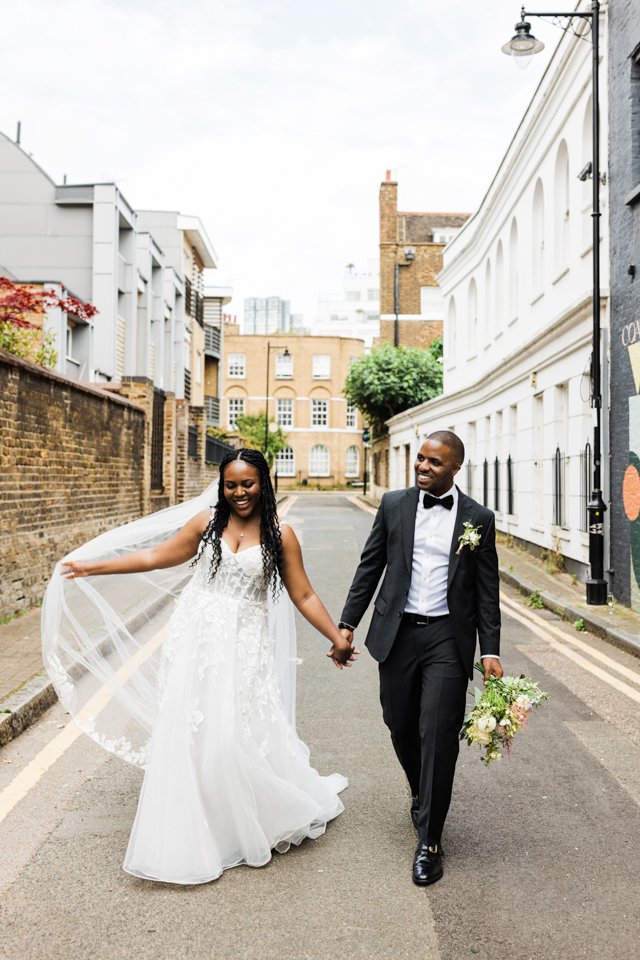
column 352, row 415
column 319, row 413
column 286, row 463
column 319, row 461
column 352, row 462
column 236, row 365
column 321, row 366
column 235, row 410
column 284, row 366
column 284, row 411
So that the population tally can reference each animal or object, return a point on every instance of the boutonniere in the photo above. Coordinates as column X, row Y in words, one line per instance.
column 470, row 536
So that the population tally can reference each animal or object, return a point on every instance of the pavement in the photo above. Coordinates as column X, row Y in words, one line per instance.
column 25, row 690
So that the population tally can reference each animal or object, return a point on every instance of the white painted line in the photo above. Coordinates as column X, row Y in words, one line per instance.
column 26, row 780
column 618, row 685
column 633, row 675
column 363, row 506
column 287, row 506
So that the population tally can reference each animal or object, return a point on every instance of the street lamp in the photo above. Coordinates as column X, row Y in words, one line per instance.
column 522, row 45
column 286, row 353
column 409, row 254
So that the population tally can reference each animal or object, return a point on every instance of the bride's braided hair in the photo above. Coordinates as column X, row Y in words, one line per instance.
column 270, row 539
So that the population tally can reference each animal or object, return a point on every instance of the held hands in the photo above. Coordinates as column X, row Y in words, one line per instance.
column 492, row 668
column 343, row 652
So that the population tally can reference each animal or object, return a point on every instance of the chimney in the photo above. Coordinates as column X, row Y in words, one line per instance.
column 388, row 210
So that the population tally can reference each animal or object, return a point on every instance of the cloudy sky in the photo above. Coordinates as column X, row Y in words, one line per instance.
column 272, row 120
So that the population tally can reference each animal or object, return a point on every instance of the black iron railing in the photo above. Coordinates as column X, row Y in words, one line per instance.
column 192, row 443
column 510, row 491
column 485, row 482
column 496, row 485
column 586, row 480
column 559, row 464
column 157, row 441
column 215, row 450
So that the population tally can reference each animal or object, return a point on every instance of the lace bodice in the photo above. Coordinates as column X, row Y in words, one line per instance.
column 239, row 575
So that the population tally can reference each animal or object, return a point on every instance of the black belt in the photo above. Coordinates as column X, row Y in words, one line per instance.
column 421, row 619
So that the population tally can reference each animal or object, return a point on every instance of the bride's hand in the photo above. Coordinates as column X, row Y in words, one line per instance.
column 343, row 652
column 74, row 569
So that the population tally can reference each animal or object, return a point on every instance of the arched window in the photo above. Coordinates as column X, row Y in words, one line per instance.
column 514, row 266
column 561, row 210
column 472, row 318
column 498, row 302
column 352, row 462
column 488, row 325
column 319, row 461
column 450, row 334
column 286, row 463
column 537, row 240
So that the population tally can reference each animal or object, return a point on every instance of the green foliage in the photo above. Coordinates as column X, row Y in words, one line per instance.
column 251, row 429
column 29, row 343
column 218, row 433
column 580, row 625
column 535, row 600
column 392, row 379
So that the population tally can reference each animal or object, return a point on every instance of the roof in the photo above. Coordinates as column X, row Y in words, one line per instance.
column 420, row 227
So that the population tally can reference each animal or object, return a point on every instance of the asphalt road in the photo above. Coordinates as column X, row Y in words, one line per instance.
column 542, row 849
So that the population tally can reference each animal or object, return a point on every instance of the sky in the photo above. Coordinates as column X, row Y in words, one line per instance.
column 274, row 121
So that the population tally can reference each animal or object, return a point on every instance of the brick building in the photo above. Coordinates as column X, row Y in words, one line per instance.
column 624, row 223
column 411, row 246
column 304, row 390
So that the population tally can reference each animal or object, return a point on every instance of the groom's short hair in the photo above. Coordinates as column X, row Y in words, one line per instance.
column 451, row 440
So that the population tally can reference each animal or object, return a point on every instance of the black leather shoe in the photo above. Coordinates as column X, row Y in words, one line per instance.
column 427, row 865
column 415, row 810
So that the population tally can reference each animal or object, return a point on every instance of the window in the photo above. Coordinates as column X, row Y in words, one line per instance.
column 352, row 416
column 537, row 241
column 373, row 293
column 284, row 366
column 284, row 411
column 472, row 322
column 513, row 271
column 286, row 463
column 352, row 462
column 321, row 366
column 561, row 208
column 235, row 410
column 319, row 461
column 236, row 365
column 319, row 413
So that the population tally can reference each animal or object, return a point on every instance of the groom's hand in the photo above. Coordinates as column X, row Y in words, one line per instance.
column 492, row 668
column 343, row 653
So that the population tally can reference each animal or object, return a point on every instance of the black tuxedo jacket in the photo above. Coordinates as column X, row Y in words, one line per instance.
column 473, row 583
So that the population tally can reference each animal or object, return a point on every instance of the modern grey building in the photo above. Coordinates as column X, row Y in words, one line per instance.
column 266, row 315
column 624, row 217
column 143, row 270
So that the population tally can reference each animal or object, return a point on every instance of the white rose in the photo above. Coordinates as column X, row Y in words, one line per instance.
column 487, row 724
column 505, row 723
column 482, row 738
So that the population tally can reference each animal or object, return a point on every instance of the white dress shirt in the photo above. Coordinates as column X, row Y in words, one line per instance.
column 431, row 550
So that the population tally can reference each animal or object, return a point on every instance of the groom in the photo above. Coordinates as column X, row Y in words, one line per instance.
column 439, row 590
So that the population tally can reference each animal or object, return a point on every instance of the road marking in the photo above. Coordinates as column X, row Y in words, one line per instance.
column 577, row 658
column 284, row 510
column 363, row 506
column 26, row 780
column 633, row 675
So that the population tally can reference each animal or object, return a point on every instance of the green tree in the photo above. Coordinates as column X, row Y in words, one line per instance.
column 392, row 379
column 251, row 427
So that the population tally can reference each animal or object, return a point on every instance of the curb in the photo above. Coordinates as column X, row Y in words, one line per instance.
column 25, row 706
column 619, row 638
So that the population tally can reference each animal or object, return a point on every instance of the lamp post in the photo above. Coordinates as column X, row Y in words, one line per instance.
column 522, row 46
column 409, row 254
column 286, row 353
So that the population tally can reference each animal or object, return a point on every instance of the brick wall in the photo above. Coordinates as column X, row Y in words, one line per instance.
column 70, row 467
column 624, row 223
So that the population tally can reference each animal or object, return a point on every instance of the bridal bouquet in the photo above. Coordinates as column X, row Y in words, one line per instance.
column 500, row 710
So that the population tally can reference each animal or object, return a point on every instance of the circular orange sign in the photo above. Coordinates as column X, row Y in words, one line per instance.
column 631, row 493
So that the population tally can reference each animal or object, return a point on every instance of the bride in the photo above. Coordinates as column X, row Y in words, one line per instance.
column 226, row 780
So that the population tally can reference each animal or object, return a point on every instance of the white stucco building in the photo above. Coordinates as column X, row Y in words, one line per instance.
column 356, row 312
column 517, row 284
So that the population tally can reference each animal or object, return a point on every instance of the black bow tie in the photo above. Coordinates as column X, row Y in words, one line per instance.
column 431, row 501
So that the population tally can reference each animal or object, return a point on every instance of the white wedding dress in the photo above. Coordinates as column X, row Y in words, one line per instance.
column 227, row 780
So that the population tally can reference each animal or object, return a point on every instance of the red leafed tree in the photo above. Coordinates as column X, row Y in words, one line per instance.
column 22, row 309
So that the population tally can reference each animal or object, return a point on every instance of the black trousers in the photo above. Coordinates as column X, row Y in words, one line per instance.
column 423, row 688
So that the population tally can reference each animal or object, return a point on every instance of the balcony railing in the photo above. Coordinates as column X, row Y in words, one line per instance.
column 212, row 411
column 212, row 342
column 215, row 450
